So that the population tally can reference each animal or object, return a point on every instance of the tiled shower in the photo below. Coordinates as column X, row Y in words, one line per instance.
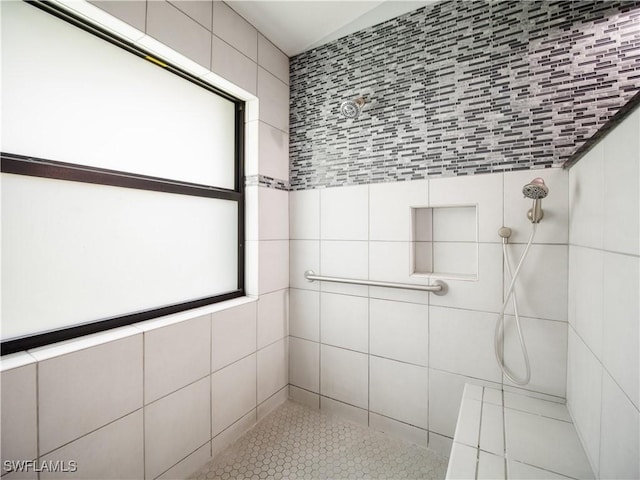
column 466, row 102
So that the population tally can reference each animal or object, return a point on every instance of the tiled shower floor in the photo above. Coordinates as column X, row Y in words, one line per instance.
column 297, row 442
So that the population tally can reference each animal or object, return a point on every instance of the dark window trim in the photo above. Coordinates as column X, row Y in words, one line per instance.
column 26, row 165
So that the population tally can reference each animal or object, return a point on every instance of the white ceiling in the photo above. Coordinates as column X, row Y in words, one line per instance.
column 295, row 26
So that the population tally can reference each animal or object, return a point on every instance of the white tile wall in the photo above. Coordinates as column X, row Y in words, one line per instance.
column 113, row 451
column 344, row 213
column 272, row 317
column 233, row 393
column 233, row 335
column 175, row 426
column 19, row 414
column 82, row 391
column 273, row 59
column 344, row 321
column 305, row 255
column 273, row 372
column 344, row 375
column 273, row 152
column 232, row 65
column 273, row 266
column 621, row 337
column 274, row 214
column 304, row 364
column 399, row 390
column 200, row 11
column 461, row 341
column 175, row 356
column 454, row 345
column 304, row 314
column 390, row 208
column 274, row 100
column 400, row 331
column 304, row 215
column 235, row 30
column 176, row 30
column 604, row 352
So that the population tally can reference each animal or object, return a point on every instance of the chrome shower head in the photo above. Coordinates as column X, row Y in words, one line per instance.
column 536, row 190
column 352, row 108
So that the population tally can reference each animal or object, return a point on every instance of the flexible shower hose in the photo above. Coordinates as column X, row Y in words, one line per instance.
column 499, row 331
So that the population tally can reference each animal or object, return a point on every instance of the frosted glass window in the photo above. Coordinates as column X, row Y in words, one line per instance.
column 139, row 232
column 72, row 97
column 75, row 252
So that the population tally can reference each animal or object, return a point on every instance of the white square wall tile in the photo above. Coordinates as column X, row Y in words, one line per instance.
column 175, row 426
column 175, row 356
column 272, row 317
column 621, row 338
column 273, row 208
column 347, row 259
column 546, row 343
column 392, row 262
column 133, row 12
column 304, row 364
column 101, row 384
column 546, row 443
column 273, row 145
column 274, row 100
column 344, row 375
column 274, row 265
column 304, row 255
column 304, row 314
column 400, row 391
column 620, row 434
column 19, row 414
column 271, row 58
column 233, row 393
column 485, row 293
column 273, row 372
column 461, row 341
column 485, row 191
column 344, row 213
column 233, row 334
column 390, row 208
column 542, row 284
column 587, row 308
column 304, row 215
column 200, row 11
column 232, row 65
column 554, row 227
column 113, row 451
column 400, row 331
column 344, row 321
column 586, row 199
column 175, row 29
column 584, row 392
column 621, row 160
column 235, row 30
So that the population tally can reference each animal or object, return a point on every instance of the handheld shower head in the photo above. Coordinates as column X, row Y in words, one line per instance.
column 352, row 108
column 536, row 190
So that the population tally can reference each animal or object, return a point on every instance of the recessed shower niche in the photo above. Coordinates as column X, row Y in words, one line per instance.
column 445, row 241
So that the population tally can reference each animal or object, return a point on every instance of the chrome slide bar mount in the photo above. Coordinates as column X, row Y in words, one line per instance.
column 438, row 288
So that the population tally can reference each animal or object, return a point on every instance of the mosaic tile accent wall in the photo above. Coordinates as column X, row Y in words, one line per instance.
column 460, row 88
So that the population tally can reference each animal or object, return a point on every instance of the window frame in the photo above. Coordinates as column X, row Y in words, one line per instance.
column 14, row 163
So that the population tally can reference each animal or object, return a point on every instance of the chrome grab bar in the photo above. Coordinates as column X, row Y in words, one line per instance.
column 438, row 288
